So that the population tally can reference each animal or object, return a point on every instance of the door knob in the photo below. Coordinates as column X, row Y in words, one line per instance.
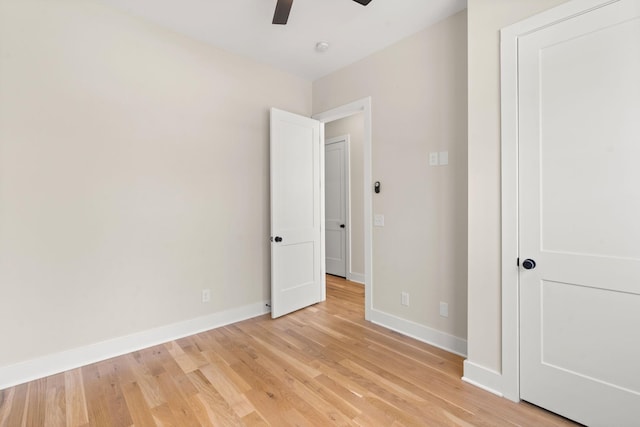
column 278, row 239
column 341, row 225
column 528, row 264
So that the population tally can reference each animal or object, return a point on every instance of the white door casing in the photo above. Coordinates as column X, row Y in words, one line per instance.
column 361, row 106
column 337, row 205
column 578, row 136
column 297, row 212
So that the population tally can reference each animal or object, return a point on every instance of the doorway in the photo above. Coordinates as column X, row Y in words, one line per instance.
column 363, row 109
column 348, row 133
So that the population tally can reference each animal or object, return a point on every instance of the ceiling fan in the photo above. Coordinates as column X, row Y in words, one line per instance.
column 283, row 7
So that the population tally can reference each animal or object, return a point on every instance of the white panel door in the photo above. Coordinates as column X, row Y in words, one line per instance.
column 297, row 278
column 335, row 161
column 579, row 195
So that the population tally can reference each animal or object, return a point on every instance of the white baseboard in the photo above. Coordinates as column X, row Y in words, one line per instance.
column 44, row 366
column 356, row 277
column 420, row 332
column 484, row 378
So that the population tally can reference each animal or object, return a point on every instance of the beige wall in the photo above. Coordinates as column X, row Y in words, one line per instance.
column 133, row 174
column 354, row 127
column 418, row 91
column 485, row 19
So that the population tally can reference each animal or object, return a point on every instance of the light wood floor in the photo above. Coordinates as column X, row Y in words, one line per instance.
column 322, row 366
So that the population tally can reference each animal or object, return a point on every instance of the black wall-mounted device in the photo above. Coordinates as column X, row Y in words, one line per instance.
column 376, row 187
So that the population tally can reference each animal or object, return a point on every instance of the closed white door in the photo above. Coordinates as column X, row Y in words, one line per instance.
column 579, row 204
column 297, row 259
column 336, row 185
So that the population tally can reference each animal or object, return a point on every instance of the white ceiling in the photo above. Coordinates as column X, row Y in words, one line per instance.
column 244, row 27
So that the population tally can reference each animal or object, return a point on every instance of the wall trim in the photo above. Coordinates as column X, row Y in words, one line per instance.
column 481, row 377
column 55, row 363
column 420, row 332
column 356, row 277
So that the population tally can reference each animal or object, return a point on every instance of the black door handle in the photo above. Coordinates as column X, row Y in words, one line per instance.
column 528, row 264
column 341, row 225
column 278, row 239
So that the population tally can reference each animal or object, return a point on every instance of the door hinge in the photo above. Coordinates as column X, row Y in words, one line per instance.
column 518, row 262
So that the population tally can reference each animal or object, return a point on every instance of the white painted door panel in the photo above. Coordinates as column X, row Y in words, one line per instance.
column 336, row 207
column 579, row 121
column 296, row 205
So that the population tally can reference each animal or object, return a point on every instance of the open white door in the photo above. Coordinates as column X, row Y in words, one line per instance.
column 297, row 258
column 579, row 110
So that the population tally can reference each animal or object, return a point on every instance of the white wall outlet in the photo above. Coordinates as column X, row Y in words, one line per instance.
column 444, row 309
column 443, row 158
column 378, row 220
column 433, row 159
column 206, row 295
column 404, row 299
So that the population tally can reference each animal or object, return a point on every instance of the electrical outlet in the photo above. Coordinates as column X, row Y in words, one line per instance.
column 444, row 309
column 404, row 300
column 206, row 295
column 433, row 159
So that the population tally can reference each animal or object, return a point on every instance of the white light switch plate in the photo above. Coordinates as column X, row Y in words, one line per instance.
column 444, row 309
column 378, row 220
column 443, row 157
column 433, row 159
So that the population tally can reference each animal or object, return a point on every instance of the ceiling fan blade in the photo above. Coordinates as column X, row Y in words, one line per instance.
column 281, row 15
column 363, row 2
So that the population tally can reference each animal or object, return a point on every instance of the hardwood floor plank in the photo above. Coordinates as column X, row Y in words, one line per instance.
column 76, row 405
column 13, row 405
column 323, row 365
column 364, row 414
column 255, row 420
column 184, row 361
column 145, row 381
column 299, row 386
column 163, row 416
column 55, row 409
column 274, row 384
column 182, row 411
column 199, row 410
column 271, row 344
column 138, row 408
column 225, row 369
column 191, row 348
column 111, row 390
column 181, row 380
column 227, row 389
column 97, row 406
column 152, row 359
column 218, row 410
column 35, row 412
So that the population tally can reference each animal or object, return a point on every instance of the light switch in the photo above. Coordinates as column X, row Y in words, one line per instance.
column 443, row 158
column 378, row 220
column 433, row 159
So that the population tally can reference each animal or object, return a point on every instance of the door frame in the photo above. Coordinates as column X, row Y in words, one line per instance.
column 510, row 273
column 360, row 106
column 347, row 197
